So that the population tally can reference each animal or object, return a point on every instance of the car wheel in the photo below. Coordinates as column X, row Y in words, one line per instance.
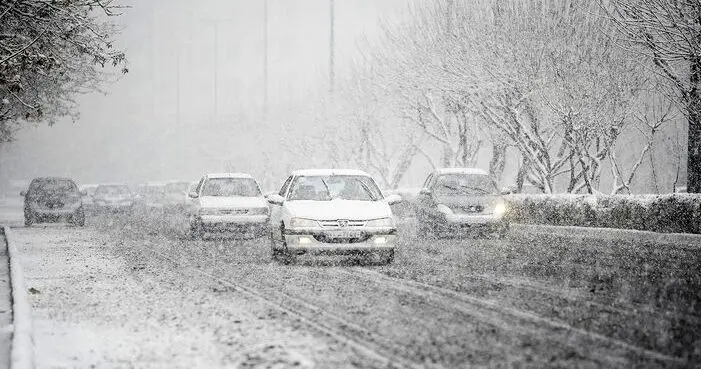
column 389, row 259
column 195, row 232
column 28, row 219
column 78, row 218
column 274, row 252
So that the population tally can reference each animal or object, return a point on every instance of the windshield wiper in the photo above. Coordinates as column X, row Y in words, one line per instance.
column 367, row 190
column 328, row 191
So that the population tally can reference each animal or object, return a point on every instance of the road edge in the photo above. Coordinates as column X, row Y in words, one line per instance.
column 22, row 349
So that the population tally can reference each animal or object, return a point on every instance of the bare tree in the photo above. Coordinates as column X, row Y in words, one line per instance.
column 668, row 32
column 50, row 51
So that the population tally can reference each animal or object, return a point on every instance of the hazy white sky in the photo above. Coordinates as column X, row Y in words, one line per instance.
column 134, row 133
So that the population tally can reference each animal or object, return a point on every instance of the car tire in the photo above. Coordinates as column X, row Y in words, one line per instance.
column 78, row 218
column 389, row 258
column 274, row 252
column 195, row 233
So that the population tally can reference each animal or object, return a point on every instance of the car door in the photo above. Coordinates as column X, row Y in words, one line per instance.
column 276, row 211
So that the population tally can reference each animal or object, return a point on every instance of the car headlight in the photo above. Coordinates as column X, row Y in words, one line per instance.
column 258, row 211
column 380, row 223
column 500, row 209
column 444, row 209
column 303, row 223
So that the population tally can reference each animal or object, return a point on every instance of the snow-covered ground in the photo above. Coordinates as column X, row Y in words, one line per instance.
column 129, row 291
column 91, row 310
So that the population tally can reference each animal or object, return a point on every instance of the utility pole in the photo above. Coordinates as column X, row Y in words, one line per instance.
column 216, row 73
column 177, row 87
column 265, row 61
column 331, row 47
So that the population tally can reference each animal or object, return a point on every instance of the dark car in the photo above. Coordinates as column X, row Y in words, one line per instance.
column 53, row 199
column 457, row 200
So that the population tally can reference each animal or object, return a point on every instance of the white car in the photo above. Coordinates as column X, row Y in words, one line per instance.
column 338, row 212
column 228, row 203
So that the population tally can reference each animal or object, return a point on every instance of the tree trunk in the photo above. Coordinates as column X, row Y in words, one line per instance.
column 521, row 176
column 694, row 116
column 496, row 165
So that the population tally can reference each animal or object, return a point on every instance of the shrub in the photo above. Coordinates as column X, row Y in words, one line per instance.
column 678, row 213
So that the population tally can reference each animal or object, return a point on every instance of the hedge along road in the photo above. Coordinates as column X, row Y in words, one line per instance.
column 543, row 301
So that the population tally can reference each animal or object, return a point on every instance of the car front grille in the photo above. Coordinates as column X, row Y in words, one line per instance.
column 342, row 223
column 232, row 211
column 325, row 239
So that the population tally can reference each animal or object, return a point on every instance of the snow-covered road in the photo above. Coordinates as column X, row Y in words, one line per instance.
column 123, row 293
column 94, row 309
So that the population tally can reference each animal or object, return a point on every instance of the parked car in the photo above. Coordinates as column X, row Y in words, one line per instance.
column 113, row 197
column 228, row 204
column 454, row 200
column 53, row 199
column 337, row 212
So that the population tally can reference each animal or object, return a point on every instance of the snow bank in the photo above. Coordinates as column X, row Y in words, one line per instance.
column 669, row 213
column 22, row 356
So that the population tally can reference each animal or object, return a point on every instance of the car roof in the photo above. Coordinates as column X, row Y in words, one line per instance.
column 228, row 175
column 53, row 178
column 329, row 172
column 113, row 184
column 461, row 171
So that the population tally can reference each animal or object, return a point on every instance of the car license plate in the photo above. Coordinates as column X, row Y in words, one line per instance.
column 344, row 234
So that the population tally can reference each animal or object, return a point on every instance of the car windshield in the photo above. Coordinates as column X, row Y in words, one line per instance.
column 231, row 187
column 177, row 187
column 112, row 190
column 55, row 185
column 90, row 190
column 326, row 188
column 464, row 184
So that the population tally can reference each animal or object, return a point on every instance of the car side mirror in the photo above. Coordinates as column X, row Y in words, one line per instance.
column 275, row 199
column 425, row 191
column 23, row 193
column 393, row 199
column 193, row 195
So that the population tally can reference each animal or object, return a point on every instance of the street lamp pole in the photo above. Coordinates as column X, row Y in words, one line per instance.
column 331, row 46
column 216, row 72
column 265, row 61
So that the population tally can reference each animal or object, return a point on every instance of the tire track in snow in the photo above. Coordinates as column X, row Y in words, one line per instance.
column 348, row 333
column 509, row 319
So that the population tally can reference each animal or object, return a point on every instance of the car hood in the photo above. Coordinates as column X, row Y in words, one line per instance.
column 338, row 209
column 232, row 202
column 468, row 200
